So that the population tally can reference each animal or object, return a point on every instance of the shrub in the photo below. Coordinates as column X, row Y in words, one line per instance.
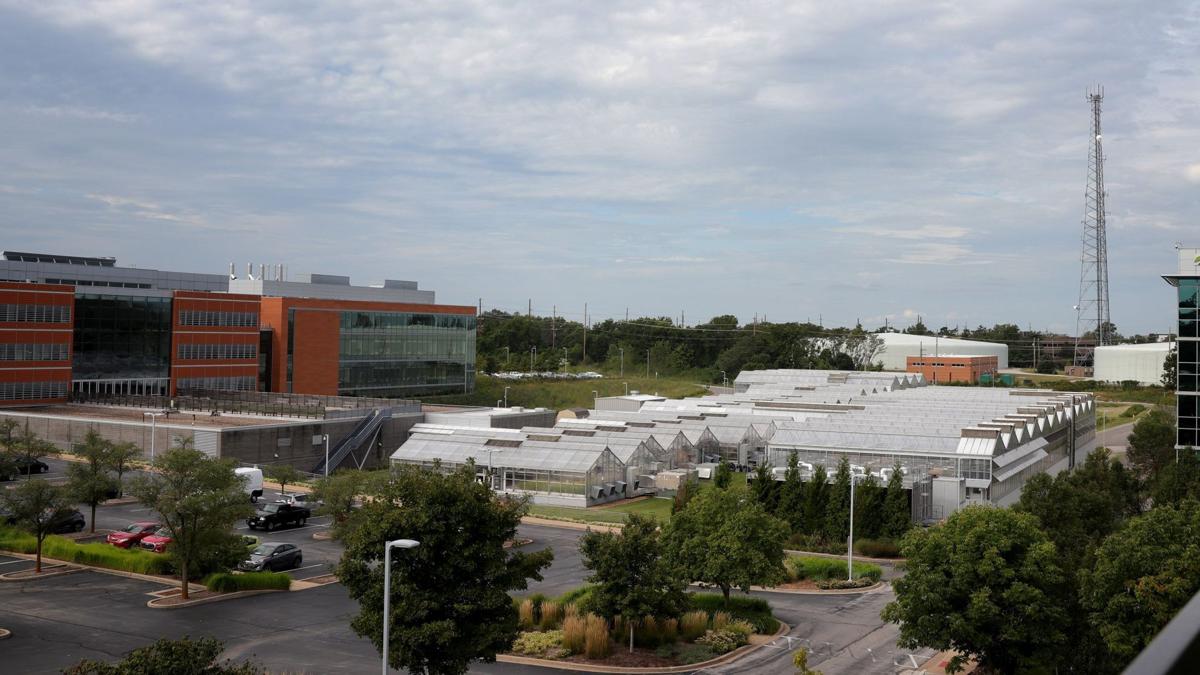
column 841, row 584
column 646, row 632
column 754, row 610
column 551, row 615
column 693, row 625
column 596, row 643
column 536, row 643
column 580, row 597
column 694, row 654
column 574, row 633
column 814, row 568
column 743, row 628
column 570, row 609
column 665, row 651
column 525, row 615
column 620, row 631
column 814, row 543
column 722, row 640
column 668, row 631
column 877, row 548
column 225, row 582
column 721, row 619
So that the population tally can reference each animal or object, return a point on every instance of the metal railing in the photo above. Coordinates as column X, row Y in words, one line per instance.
column 273, row 404
column 1176, row 648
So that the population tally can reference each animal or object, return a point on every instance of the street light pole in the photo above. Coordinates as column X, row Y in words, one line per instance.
column 153, row 427
column 622, row 350
column 326, row 455
column 850, row 541
column 507, row 357
column 506, row 397
column 532, row 353
column 387, row 589
column 647, row 364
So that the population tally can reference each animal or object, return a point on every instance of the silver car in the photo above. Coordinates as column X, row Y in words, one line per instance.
column 273, row 556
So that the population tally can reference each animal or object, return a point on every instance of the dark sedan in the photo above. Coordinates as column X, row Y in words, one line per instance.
column 26, row 467
column 70, row 521
column 271, row 557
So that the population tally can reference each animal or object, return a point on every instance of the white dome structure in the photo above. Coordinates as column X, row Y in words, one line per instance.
column 1141, row 362
column 897, row 347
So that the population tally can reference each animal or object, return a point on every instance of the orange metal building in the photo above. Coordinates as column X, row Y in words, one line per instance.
column 953, row 367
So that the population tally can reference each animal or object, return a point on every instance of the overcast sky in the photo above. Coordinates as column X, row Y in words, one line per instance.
column 796, row 159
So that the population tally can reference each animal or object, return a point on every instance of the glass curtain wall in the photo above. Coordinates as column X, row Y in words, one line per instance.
column 119, row 337
column 1188, row 382
column 401, row 353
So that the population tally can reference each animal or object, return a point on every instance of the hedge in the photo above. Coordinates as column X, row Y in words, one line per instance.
column 813, row 568
column 95, row 554
column 877, row 548
column 226, row 582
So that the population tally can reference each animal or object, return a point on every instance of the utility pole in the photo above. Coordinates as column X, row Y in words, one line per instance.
column 585, row 322
column 529, row 310
column 553, row 323
column 647, row 364
column 1092, row 311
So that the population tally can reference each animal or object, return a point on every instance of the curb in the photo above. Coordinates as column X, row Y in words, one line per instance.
column 734, row 655
column 832, row 591
column 570, row 524
column 165, row 581
column 67, row 568
column 211, row 598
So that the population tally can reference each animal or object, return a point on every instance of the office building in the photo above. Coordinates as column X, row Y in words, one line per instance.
column 1187, row 388
column 946, row 368
column 84, row 326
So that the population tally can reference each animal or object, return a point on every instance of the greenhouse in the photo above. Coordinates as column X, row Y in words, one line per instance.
column 560, row 473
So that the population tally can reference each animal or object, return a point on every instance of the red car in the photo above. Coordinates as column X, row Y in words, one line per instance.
column 132, row 535
column 156, row 542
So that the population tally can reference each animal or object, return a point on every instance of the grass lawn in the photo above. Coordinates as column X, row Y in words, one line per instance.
column 560, row 394
column 1114, row 414
column 655, row 507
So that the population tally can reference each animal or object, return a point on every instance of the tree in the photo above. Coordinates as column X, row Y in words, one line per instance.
column 88, row 481
column 868, row 508
column 726, row 539
column 629, row 574
column 26, row 447
column 36, row 505
column 684, row 494
column 1177, row 481
column 120, row 456
column 198, row 499
column 284, row 474
column 179, row 657
column 723, row 476
column 1143, row 574
column 449, row 596
column 1152, row 442
column 985, row 584
column 791, row 496
column 337, row 496
column 765, row 488
column 8, row 451
column 837, row 515
column 1170, row 369
column 897, row 514
column 816, row 501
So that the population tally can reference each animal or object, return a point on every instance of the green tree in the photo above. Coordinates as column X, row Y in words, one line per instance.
column 1177, row 481
column 897, row 514
column 198, row 500
column 8, row 450
column 120, row 456
column 726, row 539
column 791, row 496
column 723, row 476
column 837, row 515
column 765, row 488
column 816, row 501
column 868, row 508
column 629, row 573
column 1152, row 442
column 1170, row 368
column 1143, row 574
column 284, row 474
column 449, row 596
column 88, row 481
column 178, row 657
column 26, row 446
column 36, row 505
column 986, row 584
column 338, row 494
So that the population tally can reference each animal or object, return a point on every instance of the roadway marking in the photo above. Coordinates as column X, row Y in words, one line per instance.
column 308, row 567
column 9, row 562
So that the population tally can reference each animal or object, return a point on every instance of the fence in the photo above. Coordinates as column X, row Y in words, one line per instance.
column 304, row 406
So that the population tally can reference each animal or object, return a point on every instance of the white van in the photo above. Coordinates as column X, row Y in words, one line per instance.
column 252, row 477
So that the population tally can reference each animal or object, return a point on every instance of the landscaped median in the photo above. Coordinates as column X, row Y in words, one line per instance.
column 62, row 549
column 562, row 633
column 818, row 573
column 225, row 586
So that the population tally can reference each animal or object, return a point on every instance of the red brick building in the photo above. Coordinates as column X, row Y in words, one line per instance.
column 35, row 342
column 953, row 368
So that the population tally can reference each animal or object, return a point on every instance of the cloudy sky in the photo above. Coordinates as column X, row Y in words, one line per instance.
column 794, row 159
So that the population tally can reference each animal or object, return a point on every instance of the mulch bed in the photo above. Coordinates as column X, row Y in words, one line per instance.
column 802, row 585
column 640, row 658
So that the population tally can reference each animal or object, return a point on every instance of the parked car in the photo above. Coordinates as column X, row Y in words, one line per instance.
column 26, row 467
column 278, row 514
column 300, row 499
column 132, row 534
column 271, row 557
column 157, row 542
column 68, row 521
column 252, row 481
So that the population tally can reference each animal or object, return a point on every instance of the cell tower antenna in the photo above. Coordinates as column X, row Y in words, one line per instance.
column 1092, row 311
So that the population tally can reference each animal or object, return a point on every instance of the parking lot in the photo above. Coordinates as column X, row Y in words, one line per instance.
column 319, row 556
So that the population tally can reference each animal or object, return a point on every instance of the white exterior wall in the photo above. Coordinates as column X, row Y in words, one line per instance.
column 1143, row 363
column 897, row 347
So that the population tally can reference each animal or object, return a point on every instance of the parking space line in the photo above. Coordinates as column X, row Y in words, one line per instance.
column 308, row 567
column 9, row 562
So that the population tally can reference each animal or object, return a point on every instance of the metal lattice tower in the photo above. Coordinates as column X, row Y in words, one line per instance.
column 1092, row 310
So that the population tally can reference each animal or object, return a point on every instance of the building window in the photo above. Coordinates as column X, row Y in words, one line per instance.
column 222, row 383
column 121, row 337
column 200, row 352
column 32, row 391
column 399, row 353
column 224, row 319
column 35, row 313
column 34, row 352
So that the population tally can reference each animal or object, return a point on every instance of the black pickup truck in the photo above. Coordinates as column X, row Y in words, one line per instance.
column 274, row 515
